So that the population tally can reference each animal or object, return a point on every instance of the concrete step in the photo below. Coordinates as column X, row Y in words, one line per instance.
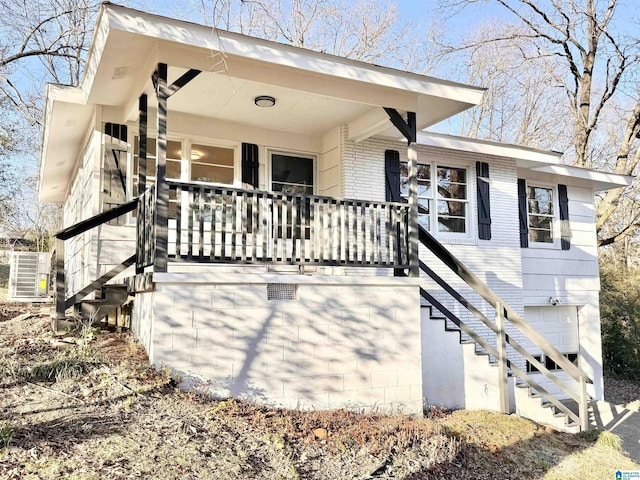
column 113, row 296
column 531, row 405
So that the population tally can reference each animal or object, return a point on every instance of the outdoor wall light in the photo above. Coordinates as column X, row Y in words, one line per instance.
column 554, row 301
column 264, row 101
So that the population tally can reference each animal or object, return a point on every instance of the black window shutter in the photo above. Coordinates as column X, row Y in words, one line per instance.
column 522, row 207
column 392, row 175
column 565, row 230
column 116, row 130
column 484, row 203
column 250, row 164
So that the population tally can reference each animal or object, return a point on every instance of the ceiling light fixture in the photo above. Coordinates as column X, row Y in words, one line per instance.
column 264, row 101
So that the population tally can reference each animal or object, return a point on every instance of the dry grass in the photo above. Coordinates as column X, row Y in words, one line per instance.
column 115, row 417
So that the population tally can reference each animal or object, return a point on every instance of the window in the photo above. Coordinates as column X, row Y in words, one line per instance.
column 206, row 163
column 174, row 159
column 211, row 164
column 291, row 174
column 444, row 209
column 549, row 363
column 540, row 212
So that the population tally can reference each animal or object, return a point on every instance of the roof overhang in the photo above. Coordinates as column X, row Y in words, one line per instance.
column 315, row 92
column 527, row 158
column 600, row 180
column 65, row 118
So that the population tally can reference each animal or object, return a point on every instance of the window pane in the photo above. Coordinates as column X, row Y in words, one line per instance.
column 151, row 167
column 452, row 183
column 211, row 173
column 290, row 188
column 173, row 169
column 296, row 173
column 543, row 236
column 174, row 149
column 424, row 206
column 539, row 222
column 449, row 224
column 151, row 146
column 451, row 208
column 424, row 188
column 540, row 200
column 424, row 221
column 211, row 155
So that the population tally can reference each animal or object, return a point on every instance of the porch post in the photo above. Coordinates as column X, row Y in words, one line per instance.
column 60, row 283
column 162, row 189
column 412, row 171
column 408, row 130
column 502, row 359
column 142, row 144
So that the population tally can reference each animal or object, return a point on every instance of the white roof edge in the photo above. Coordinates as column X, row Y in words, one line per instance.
column 488, row 147
column 282, row 54
column 55, row 93
column 65, row 93
column 601, row 180
column 533, row 159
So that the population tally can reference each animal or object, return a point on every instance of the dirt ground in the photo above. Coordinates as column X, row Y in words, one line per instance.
column 88, row 406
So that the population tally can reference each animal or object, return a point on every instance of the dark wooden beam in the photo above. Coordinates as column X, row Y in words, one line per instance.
column 60, row 281
column 183, row 80
column 162, row 189
column 142, row 144
column 407, row 128
column 96, row 220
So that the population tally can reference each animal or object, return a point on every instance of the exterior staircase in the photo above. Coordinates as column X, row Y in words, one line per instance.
column 504, row 385
column 532, row 405
column 112, row 297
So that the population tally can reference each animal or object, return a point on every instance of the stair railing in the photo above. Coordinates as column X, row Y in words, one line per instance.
column 504, row 313
column 61, row 303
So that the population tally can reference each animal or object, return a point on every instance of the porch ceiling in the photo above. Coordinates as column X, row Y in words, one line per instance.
column 231, row 99
column 314, row 92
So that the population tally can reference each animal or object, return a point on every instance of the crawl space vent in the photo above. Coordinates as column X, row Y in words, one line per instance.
column 281, row 291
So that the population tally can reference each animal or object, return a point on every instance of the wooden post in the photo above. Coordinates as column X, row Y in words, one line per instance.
column 60, row 282
column 502, row 359
column 408, row 130
column 583, row 407
column 162, row 189
column 142, row 144
column 142, row 171
column 412, row 164
column 584, row 398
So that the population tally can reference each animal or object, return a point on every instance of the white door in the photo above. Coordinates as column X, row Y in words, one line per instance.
column 557, row 324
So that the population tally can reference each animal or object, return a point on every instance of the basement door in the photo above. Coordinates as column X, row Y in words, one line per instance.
column 559, row 325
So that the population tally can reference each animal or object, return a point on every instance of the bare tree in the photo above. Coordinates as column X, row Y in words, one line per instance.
column 41, row 39
column 576, row 45
column 362, row 30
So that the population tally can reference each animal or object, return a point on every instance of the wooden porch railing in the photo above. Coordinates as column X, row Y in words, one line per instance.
column 145, row 231
column 230, row 225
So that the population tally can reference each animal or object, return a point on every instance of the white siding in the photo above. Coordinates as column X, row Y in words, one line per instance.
column 572, row 276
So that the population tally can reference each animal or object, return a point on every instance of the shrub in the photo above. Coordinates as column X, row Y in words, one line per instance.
column 620, row 318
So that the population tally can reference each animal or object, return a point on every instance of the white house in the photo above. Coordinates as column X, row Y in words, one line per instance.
column 287, row 231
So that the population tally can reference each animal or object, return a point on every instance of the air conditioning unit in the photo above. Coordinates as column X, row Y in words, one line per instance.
column 29, row 276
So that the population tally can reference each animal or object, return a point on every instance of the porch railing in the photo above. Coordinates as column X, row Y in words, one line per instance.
column 145, row 231
column 230, row 225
